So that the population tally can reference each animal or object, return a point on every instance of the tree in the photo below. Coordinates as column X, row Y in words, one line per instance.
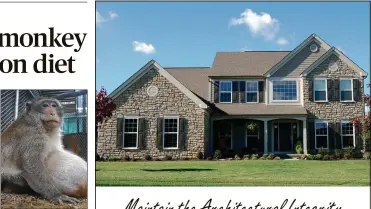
column 365, row 123
column 104, row 107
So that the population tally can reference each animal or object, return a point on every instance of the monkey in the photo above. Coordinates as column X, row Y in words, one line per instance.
column 30, row 148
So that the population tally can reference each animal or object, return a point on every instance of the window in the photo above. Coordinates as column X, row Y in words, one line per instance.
column 225, row 92
column 321, row 135
column 252, row 93
column 252, row 135
column 171, row 128
column 346, row 90
column 285, row 90
column 320, row 90
column 130, row 132
column 347, row 134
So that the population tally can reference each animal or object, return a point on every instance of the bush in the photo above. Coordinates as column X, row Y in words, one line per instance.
column 318, row 157
column 168, row 157
column 217, row 154
column 326, row 157
column 237, row 157
column 310, row 157
column 114, row 158
column 133, row 159
column 270, row 157
column 331, row 157
column 323, row 151
column 186, row 158
column 200, row 156
column 209, row 158
column 127, row 158
column 366, row 156
column 348, row 152
column 262, row 158
column 246, row 157
column 338, row 154
column 156, row 159
column 265, row 155
column 277, row 158
column 148, row 157
column 299, row 147
column 254, row 157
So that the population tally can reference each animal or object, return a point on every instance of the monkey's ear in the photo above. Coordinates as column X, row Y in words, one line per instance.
column 28, row 106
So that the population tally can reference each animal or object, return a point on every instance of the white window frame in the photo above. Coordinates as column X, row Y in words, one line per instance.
column 353, row 135
column 351, row 81
column 314, row 89
column 297, row 91
column 220, row 91
column 137, row 132
column 315, row 133
column 257, row 91
column 177, row 133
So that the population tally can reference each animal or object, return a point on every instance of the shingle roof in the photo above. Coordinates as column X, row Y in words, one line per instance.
column 261, row 109
column 195, row 79
column 249, row 63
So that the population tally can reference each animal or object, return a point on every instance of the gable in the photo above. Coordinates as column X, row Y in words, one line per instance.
column 297, row 60
column 150, row 71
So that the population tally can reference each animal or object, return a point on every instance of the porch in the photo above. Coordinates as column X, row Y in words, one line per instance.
column 258, row 134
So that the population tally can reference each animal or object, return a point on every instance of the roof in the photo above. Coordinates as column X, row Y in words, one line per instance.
column 250, row 63
column 261, row 109
column 195, row 79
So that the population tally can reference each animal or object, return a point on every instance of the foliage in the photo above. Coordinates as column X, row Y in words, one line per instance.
column 265, row 155
column 310, row 157
column 168, row 157
column 217, row 154
column 348, row 152
column 246, row 157
column 338, row 153
column 209, row 158
column 366, row 156
column 252, row 126
column 262, row 158
column 323, row 151
column 104, row 106
column 114, row 158
column 147, row 157
column 299, row 147
column 270, row 156
column 254, row 157
column 127, row 158
column 237, row 157
column 277, row 158
column 318, row 157
column 200, row 155
column 326, row 157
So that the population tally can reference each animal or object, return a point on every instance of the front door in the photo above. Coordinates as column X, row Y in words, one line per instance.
column 285, row 140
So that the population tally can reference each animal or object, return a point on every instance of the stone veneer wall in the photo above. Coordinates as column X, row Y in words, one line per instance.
column 169, row 100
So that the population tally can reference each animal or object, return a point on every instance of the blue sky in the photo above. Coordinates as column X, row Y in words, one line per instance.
column 129, row 34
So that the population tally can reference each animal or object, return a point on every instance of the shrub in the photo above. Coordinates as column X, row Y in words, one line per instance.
column 265, row 155
column 217, row 154
column 186, row 158
column 200, row 156
column 310, row 157
column 277, row 158
column 148, row 157
column 237, row 157
column 366, row 156
column 318, row 157
column 348, row 152
column 303, row 157
column 127, row 158
column 168, row 157
column 299, row 147
column 323, row 151
column 114, row 158
column 337, row 154
column 209, row 158
column 156, row 159
column 133, row 159
column 246, row 157
column 254, row 157
column 262, row 158
column 270, row 157
column 331, row 157
column 326, row 157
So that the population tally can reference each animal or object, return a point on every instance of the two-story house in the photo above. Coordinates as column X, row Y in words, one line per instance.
column 263, row 101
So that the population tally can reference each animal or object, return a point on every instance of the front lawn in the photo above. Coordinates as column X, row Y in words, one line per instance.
column 234, row 173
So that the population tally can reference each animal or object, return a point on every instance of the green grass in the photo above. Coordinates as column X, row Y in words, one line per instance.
column 234, row 173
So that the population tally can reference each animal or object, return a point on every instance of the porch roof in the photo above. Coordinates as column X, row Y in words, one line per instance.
column 261, row 109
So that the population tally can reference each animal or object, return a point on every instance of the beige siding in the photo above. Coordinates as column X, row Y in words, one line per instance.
column 300, row 62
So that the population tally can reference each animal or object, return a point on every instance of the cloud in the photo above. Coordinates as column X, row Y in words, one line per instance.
column 282, row 41
column 100, row 19
column 340, row 49
column 259, row 24
column 143, row 47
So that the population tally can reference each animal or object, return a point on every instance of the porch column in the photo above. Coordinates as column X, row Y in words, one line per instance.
column 305, row 147
column 265, row 136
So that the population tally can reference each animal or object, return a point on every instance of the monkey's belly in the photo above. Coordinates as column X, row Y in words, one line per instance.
column 69, row 172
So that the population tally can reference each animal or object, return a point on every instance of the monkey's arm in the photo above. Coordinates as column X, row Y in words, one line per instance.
column 38, row 177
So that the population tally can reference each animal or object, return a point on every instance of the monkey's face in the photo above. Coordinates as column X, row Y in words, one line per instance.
column 49, row 111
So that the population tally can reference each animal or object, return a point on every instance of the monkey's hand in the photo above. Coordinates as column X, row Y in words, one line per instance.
column 64, row 199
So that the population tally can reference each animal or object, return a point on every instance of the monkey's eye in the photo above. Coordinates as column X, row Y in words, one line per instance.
column 45, row 105
column 54, row 105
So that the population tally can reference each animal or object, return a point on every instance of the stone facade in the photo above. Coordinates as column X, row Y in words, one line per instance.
column 169, row 100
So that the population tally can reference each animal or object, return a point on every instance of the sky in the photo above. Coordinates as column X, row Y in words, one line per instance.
column 188, row 34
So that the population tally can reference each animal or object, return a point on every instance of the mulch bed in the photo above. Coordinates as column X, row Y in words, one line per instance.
column 25, row 201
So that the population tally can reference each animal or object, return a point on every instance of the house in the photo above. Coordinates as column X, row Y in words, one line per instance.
column 74, row 126
column 259, row 101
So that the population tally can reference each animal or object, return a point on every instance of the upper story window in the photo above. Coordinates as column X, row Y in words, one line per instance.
column 320, row 90
column 285, row 90
column 225, row 92
column 252, row 92
column 346, row 90
column 347, row 134
column 171, row 132
column 130, row 132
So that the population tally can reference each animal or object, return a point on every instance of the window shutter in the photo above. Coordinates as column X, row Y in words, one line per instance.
column 311, row 90
column 261, row 91
column 356, row 89
column 242, row 91
column 216, row 91
column 235, row 90
column 330, row 91
column 331, row 135
column 141, row 127
column 311, row 136
column 182, row 133
column 358, row 141
column 120, row 127
column 336, row 95
column 160, row 122
column 337, row 136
